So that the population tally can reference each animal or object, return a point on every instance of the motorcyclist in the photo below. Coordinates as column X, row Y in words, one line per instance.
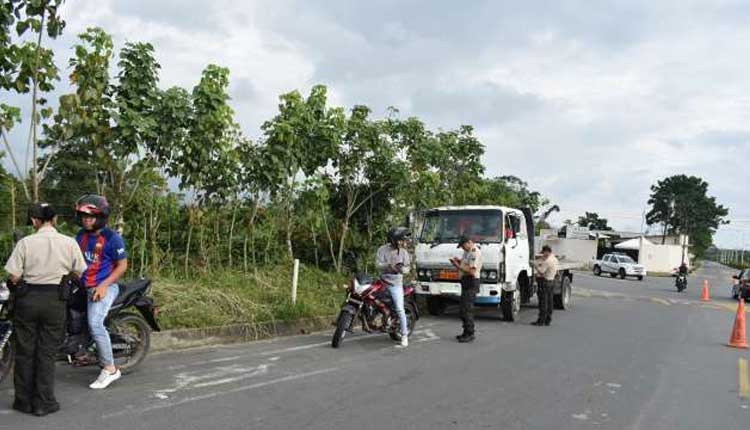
column 393, row 261
column 104, row 251
column 682, row 272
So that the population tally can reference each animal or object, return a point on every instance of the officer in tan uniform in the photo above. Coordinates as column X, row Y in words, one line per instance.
column 469, row 266
column 546, row 271
column 36, row 268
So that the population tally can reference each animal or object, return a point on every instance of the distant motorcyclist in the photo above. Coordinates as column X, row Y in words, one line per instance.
column 393, row 261
column 681, row 281
column 683, row 270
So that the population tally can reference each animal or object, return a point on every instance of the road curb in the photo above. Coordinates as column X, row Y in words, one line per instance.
column 235, row 333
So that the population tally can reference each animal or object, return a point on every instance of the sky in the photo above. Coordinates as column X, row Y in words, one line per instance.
column 589, row 102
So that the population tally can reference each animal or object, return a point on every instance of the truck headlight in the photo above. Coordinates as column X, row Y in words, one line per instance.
column 488, row 275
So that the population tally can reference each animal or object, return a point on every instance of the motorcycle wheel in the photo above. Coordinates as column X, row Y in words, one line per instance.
column 342, row 325
column 411, row 319
column 133, row 330
column 6, row 361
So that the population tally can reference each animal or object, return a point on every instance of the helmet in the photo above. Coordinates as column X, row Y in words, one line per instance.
column 397, row 233
column 93, row 204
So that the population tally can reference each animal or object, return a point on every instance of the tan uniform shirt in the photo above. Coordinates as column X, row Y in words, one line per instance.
column 45, row 257
column 547, row 268
column 473, row 259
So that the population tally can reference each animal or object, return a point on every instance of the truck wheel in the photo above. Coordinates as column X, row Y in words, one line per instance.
column 436, row 306
column 640, row 277
column 622, row 273
column 562, row 301
column 597, row 271
column 510, row 305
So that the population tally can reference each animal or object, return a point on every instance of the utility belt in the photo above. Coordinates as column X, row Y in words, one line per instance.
column 64, row 289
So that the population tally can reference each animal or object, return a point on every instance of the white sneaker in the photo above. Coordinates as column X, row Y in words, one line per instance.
column 404, row 342
column 105, row 378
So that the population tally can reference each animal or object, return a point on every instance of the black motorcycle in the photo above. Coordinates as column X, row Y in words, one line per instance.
column 129, row 331
column 681, row 282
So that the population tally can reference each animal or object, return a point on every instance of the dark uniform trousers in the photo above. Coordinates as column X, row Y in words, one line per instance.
column 469, row 291
column 544, row 293
column 39, row 320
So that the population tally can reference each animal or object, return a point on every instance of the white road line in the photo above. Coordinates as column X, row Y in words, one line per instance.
column 262, row 369
column 320, row 344
column 219, row 393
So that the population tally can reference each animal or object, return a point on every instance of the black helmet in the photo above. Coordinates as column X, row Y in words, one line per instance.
column 93, row 204
column 397, row 233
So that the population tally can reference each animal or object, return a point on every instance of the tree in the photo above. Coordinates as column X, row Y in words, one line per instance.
column 509, row 191
column 681, row 204
column 593, row 222
column 27, row 67
column 301, row 139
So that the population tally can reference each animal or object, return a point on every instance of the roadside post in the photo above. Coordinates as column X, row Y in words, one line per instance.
column 295, row 278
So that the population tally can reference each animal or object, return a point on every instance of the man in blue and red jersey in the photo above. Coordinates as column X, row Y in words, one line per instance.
column 106, row 260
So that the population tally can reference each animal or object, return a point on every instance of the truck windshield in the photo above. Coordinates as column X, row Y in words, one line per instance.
column 448, row 226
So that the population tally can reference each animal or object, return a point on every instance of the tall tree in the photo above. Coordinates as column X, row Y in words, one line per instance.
column 27, row 67
column 301, row 139
column 593, row 221
column 681, row 204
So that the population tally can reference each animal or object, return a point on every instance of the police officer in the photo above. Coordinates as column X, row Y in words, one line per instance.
column 546, row 271
column 470, row 267
column 36, row 268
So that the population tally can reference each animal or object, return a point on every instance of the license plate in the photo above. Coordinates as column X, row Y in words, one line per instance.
column 451, row 275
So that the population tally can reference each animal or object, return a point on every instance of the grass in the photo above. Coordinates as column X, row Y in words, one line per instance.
column 228, row 297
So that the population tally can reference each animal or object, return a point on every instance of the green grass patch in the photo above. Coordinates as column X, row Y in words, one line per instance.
column 228, row 297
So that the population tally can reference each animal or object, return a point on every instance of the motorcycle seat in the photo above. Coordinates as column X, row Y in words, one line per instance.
column 129, row 289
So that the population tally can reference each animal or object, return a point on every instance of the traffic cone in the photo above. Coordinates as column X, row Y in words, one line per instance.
column 704, row 292
column 738, row 339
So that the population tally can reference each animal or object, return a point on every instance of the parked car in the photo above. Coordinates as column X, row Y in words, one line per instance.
column 741, row 285
column 619, row 265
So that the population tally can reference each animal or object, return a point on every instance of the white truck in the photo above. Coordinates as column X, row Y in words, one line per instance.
column 621, row 265
column 506, row 239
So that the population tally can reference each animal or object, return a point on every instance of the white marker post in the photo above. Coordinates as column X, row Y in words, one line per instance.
column 295, row 278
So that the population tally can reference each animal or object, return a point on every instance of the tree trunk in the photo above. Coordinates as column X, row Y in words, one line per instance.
column 12, row 205
column 187, row 248
column 328, row 235
column 315, row 247
column 231, row 233
column 244, row 254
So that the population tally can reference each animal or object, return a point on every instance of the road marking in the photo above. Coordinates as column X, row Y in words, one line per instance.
column 320, row 344
column 263, row 368
column 219, row 393
column 190, row 380
column 661, row 301
column 744, row 390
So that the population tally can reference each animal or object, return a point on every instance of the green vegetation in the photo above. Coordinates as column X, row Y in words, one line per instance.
column 681, row 205
column 233, row 297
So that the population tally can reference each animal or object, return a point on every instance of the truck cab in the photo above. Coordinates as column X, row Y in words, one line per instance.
column 505, row 238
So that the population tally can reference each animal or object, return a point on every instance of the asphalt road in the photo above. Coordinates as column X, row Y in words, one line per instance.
column 628, row 355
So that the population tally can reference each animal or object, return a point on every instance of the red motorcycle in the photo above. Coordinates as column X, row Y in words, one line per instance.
column 370, row 301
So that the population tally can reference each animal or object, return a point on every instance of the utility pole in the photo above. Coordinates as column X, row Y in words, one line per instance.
column 12, row 204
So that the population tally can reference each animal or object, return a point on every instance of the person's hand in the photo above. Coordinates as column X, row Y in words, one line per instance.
column 99, row 292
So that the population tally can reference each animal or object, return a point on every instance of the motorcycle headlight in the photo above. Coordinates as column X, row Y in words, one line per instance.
column 492, row 275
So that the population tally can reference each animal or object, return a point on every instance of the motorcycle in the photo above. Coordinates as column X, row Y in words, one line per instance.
column 681, row 282
column 129, row 332
column 369, row 301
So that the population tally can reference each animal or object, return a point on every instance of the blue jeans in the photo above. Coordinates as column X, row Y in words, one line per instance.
column 97, row 313
column 397, row 294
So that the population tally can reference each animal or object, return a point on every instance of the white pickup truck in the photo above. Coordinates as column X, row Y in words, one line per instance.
column 506, row 239
column 619, row 265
